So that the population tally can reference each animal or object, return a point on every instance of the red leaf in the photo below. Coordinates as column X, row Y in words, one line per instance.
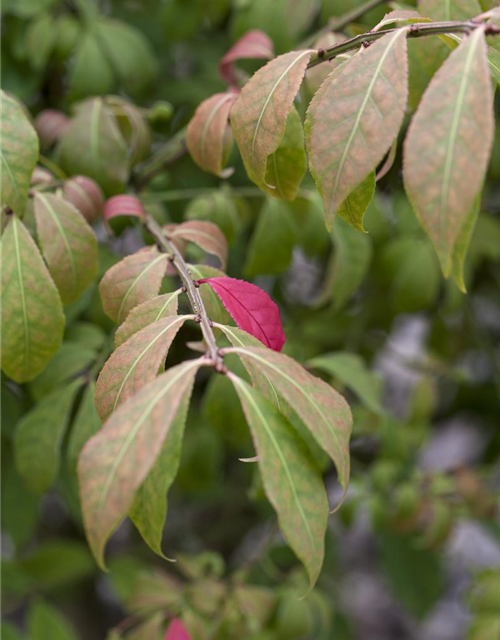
column 254, row 44
column 251, row 308
column 177, row 631
column 123, row 206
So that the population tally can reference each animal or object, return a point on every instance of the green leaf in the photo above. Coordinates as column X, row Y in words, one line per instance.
column 287, row 165
column 462, row 245
column 47, row 623
column 129, row 54
column 322, row 409
column 354, row 207
column 32, row 314
column 132, row 281
column 146, row 313
column 350, row 369
column 292, row 481
column 38, row 437
column 71, row 360
column 19, row 154
column 219, row 208
column 40, row 40
column 272, row 242
column 446, row 10
column 354, row 118
column 85, row 425
column 90, row 73
column 450, row 136
column 93, row 146
column 135, row 363
column 69, row 245
column 149, row 509
column 9, row 631
column 115, row 462
column 494, row 62
column 349, row 264
column 259, row 115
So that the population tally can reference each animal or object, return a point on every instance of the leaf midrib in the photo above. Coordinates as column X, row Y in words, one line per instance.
column 23, row 298
column 136, row 280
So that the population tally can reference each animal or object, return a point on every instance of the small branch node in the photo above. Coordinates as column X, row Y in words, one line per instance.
column 197, row 319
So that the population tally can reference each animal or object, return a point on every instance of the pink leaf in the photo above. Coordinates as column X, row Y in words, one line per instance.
column 177, row 631
column 123, row 206
column 254, row 44
column 251, row 308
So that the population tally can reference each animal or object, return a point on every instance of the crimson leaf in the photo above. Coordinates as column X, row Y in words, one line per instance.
column 251, row 308
column 177, row 631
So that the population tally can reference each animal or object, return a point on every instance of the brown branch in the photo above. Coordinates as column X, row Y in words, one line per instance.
column 345, row 20
column 414, row 31
column 195, row 300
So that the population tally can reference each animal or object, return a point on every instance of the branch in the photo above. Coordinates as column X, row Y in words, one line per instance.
column 195, row 300
column 414, row 31
column 355, row 14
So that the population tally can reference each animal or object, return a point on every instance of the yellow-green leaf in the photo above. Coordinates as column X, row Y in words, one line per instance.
column 354, row 117
column 354, row 207
column 69, row 245
column 115, row 462
column 292, row 481
column 445, row 10
column 448, row 145
column 19, row 154
column 32, row 313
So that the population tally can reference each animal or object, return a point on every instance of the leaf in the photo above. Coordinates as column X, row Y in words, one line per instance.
column 149, row 509
column 132, row 281
column 19, row 154
column 214, row 307
column 450, row 137
column 85, row 424
column 292, row 481
column 147, row 313
column 115, row 462
column 462, row 245
column 349, row 264
column 251, row 308
column 90, row 73
column 255, row 45
column 324, row 411
column 287, row 165
column 206, row 235
column 177, row 631
column 38, row 437
column 318, row 73
column 209, row 138
column 217, row 207
column 259, row 115
column 394, row 17
column 354, row 117
column 494, row 62
column 32, row 314
column 135, row 363
column 350, row 369
column 47, row 623
column 446, row 10
column 354, row 207
column 134, row 127
column 86, row 195
column 272, row 242
column 123, row 205
column 69, row 245
column 93, row 146
column 240, row 338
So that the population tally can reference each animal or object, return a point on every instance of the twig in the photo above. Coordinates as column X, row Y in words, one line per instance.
column 345, row 20
column 414, row 31
column 171, row 151
column 191, row 288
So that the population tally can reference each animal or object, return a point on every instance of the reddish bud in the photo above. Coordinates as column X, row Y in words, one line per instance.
column 86, row 195
column 50, row 124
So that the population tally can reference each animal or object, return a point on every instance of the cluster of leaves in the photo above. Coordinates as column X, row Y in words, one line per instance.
column 108, row 432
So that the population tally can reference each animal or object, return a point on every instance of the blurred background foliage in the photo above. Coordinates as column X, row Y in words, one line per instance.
column 414, row 553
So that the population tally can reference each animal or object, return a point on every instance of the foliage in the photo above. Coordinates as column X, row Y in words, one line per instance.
column 131, row 224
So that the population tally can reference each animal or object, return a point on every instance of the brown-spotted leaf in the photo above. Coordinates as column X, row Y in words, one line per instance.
column 32, row 313
column 131, row 282
column 318, row 73
column 445, row 10
column 149, row 509
column 68, row 244
column 135, row 363
column 19, row 154
column 115, row 462
column 146, row 313
column 322, row 409
column 448, row 145
column 355, row 116
column 206, row 235
column 292, row 481
column 259, row 115
column 209, row 138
